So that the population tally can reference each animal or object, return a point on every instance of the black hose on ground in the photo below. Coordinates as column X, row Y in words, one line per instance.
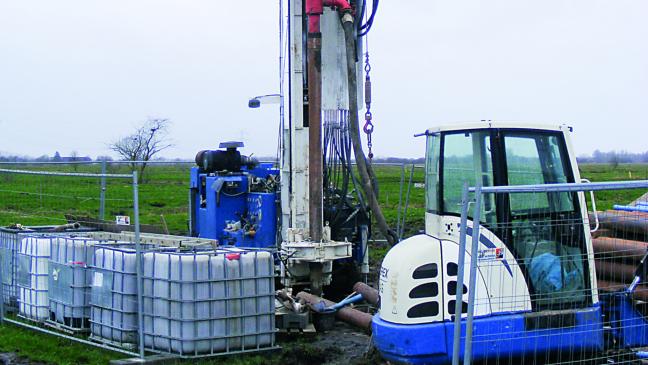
column 365, row 171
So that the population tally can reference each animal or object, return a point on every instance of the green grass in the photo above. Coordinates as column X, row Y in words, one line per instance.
column 50, row 349
column 31, row 200
column 389, row 178
column 606, row 172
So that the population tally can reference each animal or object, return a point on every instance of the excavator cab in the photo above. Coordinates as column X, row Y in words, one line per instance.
column 544, row 232
column 535, row 258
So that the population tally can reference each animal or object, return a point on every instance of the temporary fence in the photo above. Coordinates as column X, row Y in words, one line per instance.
column 546, row 281
column 131, row 292
column 45, row 250
column 164, row 207
column 414, row 185
column 104, row 197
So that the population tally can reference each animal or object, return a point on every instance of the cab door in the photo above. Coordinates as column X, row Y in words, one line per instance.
column 545, row 229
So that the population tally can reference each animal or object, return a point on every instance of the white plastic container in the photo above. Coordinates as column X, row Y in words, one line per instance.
column 32, row 277
column 9, row 246
column 113, row 297
column 69, row 281
column 201, row 303
column 9, row 240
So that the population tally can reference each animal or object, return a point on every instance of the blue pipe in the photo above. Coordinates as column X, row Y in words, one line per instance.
column 354, row 299
column 642, row 354
column 645, row 204
column 629, row 208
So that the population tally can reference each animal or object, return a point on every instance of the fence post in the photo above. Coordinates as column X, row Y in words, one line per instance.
column 102, row 193
column 400, row 201
column 460, row 276
column 472, row 286
column 138, row 255
column 407, row 197
column 2, row 291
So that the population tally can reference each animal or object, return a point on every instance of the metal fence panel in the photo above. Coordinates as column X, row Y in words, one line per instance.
column 45, row 279
column 556, row 292
column 56, row 273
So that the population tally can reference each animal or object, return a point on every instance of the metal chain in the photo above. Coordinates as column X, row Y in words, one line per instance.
column 368, row 127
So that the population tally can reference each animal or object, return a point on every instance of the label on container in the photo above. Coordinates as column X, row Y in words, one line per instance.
column 97, row 280
column 122, row 220
column 23, row 271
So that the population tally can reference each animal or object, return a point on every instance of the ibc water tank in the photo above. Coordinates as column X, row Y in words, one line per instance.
column 113, row 298
column 208, row 302
column 69, row 281
column 32, row 277
column 8, row 249
column 9, row 246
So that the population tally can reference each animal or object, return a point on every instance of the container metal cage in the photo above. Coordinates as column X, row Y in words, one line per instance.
column 113, row 295
column 206, row 303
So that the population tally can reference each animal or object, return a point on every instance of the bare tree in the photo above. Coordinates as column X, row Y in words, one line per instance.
column 146, row 142
column 615, row 160
column 74, row 157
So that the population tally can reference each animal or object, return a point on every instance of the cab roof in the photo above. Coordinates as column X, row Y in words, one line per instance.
column 491, row 124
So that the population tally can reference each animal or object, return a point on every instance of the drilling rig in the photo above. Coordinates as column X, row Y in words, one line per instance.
column 325, row 189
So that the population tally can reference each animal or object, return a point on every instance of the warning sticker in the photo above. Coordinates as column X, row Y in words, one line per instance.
column 97, row 280
column 122, row 220
column 491, row 254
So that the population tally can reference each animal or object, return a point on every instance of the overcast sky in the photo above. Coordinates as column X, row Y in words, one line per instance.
column 77, row 74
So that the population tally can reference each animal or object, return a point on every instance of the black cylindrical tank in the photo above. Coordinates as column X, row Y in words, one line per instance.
column 229, row 159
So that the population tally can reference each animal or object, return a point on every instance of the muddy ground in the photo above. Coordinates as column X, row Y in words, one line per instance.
column 345, row 344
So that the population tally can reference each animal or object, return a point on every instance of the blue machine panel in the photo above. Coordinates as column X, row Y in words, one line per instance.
column 238, row 209
column 494, row 336
column 627, row 325
column 224, row 201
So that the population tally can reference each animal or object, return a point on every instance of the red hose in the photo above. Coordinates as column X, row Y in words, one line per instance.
column 341, row 5
column 315, row 8
column 313, row 24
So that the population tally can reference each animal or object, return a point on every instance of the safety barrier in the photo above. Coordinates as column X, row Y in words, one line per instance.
column 543, row 281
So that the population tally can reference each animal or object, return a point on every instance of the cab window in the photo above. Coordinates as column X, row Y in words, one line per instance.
column 467, row 156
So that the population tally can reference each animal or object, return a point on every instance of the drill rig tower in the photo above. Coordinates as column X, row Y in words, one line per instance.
column 317, row 85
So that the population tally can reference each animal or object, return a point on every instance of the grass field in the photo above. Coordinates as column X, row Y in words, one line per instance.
column 42, row 348
column 164, row 193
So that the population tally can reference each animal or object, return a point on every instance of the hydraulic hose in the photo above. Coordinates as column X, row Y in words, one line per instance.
column 354, row 130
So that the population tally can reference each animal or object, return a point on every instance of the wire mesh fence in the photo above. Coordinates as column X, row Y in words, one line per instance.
column 545, row 282
column 46, row 198
column 66, row 272
column 45, row 251
column 163, row 190
column 162, row 187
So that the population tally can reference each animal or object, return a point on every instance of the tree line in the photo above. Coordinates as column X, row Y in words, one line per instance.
column 614, row 157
